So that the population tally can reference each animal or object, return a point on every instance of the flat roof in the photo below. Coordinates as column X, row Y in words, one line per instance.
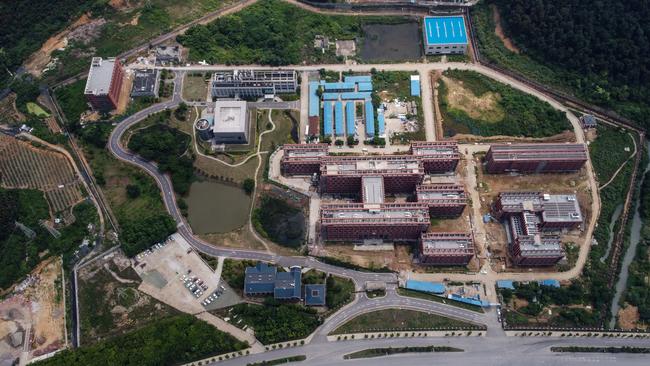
column 350, row 113
column 415, row 85
column 372, row 189
column 434, row 148
column 446, row 242
column 367, row 164
column 100, row 76
column 540, row 245
column 338, row 118
column 536, row 152
column 553, row 207
column 328, row 123
column 358, row 79
column 314, row 102
column 386, row 212
column 445, row 30
column 230, row 116
column 302, row 151
column 145, row 81
column 438, row 191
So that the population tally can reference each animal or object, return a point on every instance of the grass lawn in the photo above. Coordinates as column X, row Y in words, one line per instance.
column 195, row 87
column 233, row 271
column 425, row 296
column 36, row 110
column 286, row 125
column 608, row 151
column 475, row 104
column 340, row 291
column 400, row 320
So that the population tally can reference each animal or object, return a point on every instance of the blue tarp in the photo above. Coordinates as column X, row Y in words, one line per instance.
column 415, row 87
column 365, row 87
column 381, row 123
column 349, row 118
column 358, row 79
column 330, row 96
column 550, row 283
column 338, row 119
column 328, row 127
column 339, row 86
column 505, row 284
column 355, row 96
column 314, row 102
column 423, row 286
column 370, row 119
column 469, row 300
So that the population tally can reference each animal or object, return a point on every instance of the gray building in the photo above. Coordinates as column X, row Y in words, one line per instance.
column 146, row 83
column 231, row 124
column 170, row 54
column 253, row 83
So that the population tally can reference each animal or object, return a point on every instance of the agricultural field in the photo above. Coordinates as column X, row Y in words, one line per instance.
column 473, row 104
column 37, row 304
column 110, row 303
column 26, row 167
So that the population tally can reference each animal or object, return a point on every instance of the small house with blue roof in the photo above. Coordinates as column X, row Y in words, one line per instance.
column 315, row 295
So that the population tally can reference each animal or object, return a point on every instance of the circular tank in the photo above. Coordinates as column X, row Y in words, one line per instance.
column 204, row 129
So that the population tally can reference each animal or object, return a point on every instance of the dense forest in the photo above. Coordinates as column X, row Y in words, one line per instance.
column 606, row 44
column 169, row 341
column 19, row 254
column 279, row 221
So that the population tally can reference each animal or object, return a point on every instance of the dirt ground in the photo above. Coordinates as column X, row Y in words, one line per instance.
column 8, row 111
column 628, row 318
column 498, row 30
column 566, row 136
column 240, row 238
column 123, row 5
column 125, row 94
column 397, row 259
column 485, row 107
column 37, row 310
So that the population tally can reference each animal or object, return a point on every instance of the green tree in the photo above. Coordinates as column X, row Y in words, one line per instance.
column 248, row 185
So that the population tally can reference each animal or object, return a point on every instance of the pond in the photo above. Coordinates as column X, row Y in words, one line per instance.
column 216, row 207
column 391, row 42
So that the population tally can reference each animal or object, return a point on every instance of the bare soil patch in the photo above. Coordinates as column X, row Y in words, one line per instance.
column 8, row 111
column 498, row 30
column 566, row 136
column 628, row 318
column 485, row 107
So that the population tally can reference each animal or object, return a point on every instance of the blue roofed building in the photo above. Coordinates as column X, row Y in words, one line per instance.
column 355, row 95
column 423, row 286
column 328, row 123
column 259, row 280
column 287, row 285
column 506, row 284
column 445, row 35
column 330, row 96
column 315, row 295
column 370, row 119
column 338, row 119
column 358, row 79
column 314, row 101
column 415, row 85
column 349, row 118
column 381, row 123
column 365, row 87
column 339, row 87
column 550, row 283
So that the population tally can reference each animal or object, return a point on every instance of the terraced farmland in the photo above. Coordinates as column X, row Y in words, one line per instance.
column 24, row 166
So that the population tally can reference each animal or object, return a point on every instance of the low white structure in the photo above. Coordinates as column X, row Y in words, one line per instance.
column 231, row 124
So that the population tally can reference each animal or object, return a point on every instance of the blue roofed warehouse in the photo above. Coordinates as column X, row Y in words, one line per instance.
column 445, row 35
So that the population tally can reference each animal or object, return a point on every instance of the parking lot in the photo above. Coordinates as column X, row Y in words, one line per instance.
column 175, row 274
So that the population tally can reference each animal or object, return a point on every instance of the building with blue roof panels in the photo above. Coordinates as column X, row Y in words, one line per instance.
column 339, row 87
column 328, row 122
column 381, row 122
column 314, row 101
column 331, row 96
column 355, row 96
column 315, row 295
column 338, row 119
column 259, row 280
column 445, row 35
column 370, row 119
column 550, row 283
column 415, row 85
column 507, row 284
column 423, row 286
column 469, row 300
column 365, row 87
column 350, row 128
column 358, row 79
column 288, row 285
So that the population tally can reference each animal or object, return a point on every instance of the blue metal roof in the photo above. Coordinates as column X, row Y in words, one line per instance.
column 365, row 87
column 355, row 96
column 358, row 79
column 339, row 86
column 469, row 300
column 381, row 122
column 370, row 119
column 550, row 283
column 445, row 30
column 349, row 118
column 288, row 284
column 338, row 118
column 505, row 284
column 328, row 123
column 330, row 96
column 415, row 86
column 423, row 286
column 314, row 102
column 315, row 295
column 259, row 279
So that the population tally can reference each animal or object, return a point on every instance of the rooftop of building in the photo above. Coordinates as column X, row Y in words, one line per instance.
column 253, row 75
column 372, row 189
column 446, row 241
column 554, row 207
column 299, row 151
column 385, row 212
column 434, row 148
column 100, row 76
column 262, row 273
column 288, row 284
column 440, row 191
column 369, row 164
column 441, row 30
column 540, row 245
column 315, row 294
column 230, row 116
column 145, row 81
column 538, row 151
